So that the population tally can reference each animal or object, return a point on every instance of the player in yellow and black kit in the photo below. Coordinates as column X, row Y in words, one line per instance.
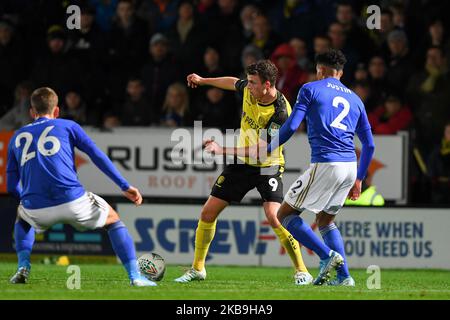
column 264, row 110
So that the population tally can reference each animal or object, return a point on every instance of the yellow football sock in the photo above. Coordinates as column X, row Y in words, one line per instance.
column 292, row 248
column 203, row 237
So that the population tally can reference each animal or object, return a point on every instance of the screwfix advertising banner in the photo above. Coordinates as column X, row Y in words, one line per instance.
column 145, row 157
column 388, row 238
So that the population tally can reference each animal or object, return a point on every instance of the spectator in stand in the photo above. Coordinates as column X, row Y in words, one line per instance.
column 380, row 36
column 436, row 37
column 225, row 32
column 248, row 14
column 110, row 121
column 263, row 36
column 297, row 18
column 211, row 63
column 312, row 75
column 105, row 10
column 217, row 110
column 137, row 111
column 390, row 117
column 161, row 15
column 377, row 80
column 429, row 94
column 357, row 36
column 19, row 114
column 74, row 108
column 186, row 39
column 159, row 72
column 363, row 90
column 398, row 16
column 290, row 76
column 250, row 54
column 439, row 169
column 207, row 10
column 176, row 111
column 57, row 68
column 211, row 68
column 339, row 39
column 436, row 34
column 126, row 46
column 321, row 44
column 89, row 47
column 12, row 64
column 361, row 73
column 404, row 21
column 301, row 53
column 400, row 62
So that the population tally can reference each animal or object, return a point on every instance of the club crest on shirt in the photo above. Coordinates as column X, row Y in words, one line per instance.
column 273, row 129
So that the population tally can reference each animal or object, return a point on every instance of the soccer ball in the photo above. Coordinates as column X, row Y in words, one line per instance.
column 152, row 266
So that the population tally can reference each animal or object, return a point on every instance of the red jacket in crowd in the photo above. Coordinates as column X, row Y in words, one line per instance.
column 382, row 124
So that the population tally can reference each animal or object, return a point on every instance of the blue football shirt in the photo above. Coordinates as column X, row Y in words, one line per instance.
column 333, row 114
column 41, row 156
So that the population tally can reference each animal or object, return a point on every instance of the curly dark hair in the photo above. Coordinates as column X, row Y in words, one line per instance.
column 265, row 69
column 332, row 58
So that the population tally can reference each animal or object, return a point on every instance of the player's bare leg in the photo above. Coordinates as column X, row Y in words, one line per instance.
column 332, row 237
column 292, row 247
column 113, row 217
column 204, row 235
column 123, row 246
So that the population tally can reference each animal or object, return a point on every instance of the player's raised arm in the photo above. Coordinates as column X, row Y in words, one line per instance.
column 226, row 83
column 87, row 145
column 12, row 173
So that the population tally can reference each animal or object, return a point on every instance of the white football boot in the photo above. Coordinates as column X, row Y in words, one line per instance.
column 303, row 278
column 192, row 275
column 142, row 281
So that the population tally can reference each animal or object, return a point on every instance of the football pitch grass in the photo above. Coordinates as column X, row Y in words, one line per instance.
column 109, row 281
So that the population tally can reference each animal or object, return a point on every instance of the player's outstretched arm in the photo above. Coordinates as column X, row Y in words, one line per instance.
column 12, row 174
column 133, row 195
column 83, row 142
column 287, row 129
column 214, row 148
column 291, row 125
column 254, row 152
column 226, row 83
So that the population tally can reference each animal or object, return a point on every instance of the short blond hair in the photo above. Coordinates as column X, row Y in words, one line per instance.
column 44, row 100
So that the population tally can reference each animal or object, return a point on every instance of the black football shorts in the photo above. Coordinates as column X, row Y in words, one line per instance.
column 238, row 179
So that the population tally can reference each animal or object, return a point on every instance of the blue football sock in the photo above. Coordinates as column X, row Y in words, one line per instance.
column 24, row 239
column 123, row 246
column 303, row 233
column 332, row 237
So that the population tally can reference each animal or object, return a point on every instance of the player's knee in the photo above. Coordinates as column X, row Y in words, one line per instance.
column 324, row 219
column 273, row 220
column 280, row 216
column 209, row 214
column 283, row 212
column 113, row 217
